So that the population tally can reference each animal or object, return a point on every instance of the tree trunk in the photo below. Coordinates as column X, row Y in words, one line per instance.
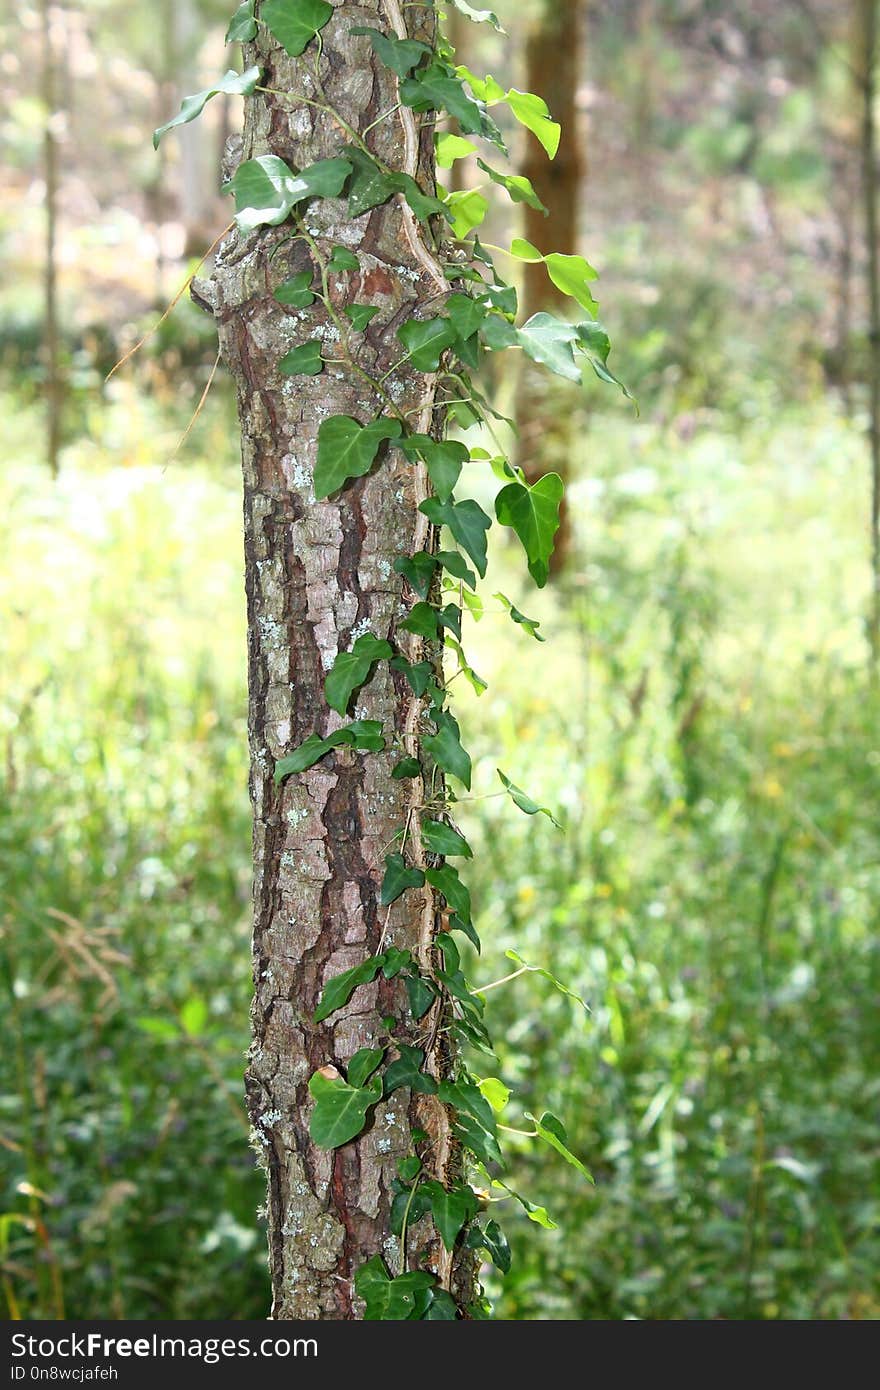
column 872, row 234
column 553, row 53
column 318, row 574
column 52, row 337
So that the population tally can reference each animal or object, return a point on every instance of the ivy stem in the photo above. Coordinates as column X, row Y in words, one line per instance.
column 379, row 119
column 403, row 1226
column 342, row 328
column 484, row 989
column 526, row 1133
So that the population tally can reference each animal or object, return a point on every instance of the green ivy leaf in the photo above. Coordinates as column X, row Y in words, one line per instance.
column 266, row 190
column 419, row 674
column 361, row 315
column 532, row 112
column 477, row 684
column 398, row 878
column 422, row 620
column 418, row 570
column 340, row 1110
column 446, row 750
column 528, row 624
column 518, row 187
column 557, row 984
column 524, row 251
column 339, row 990
column 572, row 274
column 347, row 449
column 363, row 734
column 407, row 767
column 446, row 881
column 483, row 1145
column 548, row 340
column 454, row 564
column 409, row 1168
column 477, row 16
column 363, row 1064
column 468, row 523
column 421, row 995
column 442, row 839
column 495, row 1243
column 496, row 1093
column 400, row 55
column 437, row 88
column 406, row 1070
column 305, row 360
column 467, row 207
column 451, row 1209
column 441, row 1307
column 242, row 26
column 342, row 260
column 449, row 148
column 396, row 959
column 552, row 1131
column 468, row 929
column 595, row 343
column 388, row 1299
column 524, row 801
column 426, row 340
column 294, row 23
column 296, row 292
column 351, row 669
column 240, row 84
column 444, row 459
column 466, row 313
column 533, row 513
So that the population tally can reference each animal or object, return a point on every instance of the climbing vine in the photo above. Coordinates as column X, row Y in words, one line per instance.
column 477, row 318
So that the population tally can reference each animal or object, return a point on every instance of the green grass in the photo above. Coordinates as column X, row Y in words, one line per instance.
column 701, row 717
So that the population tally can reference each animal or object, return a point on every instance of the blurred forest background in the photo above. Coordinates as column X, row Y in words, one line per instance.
column 702, row 715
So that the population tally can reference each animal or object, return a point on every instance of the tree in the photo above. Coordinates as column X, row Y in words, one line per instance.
column 52, row 338
column 553, row 53
column 350, row 327
column 867, row 81
column 319, row 576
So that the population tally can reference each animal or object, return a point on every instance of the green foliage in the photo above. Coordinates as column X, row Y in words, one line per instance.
column 397, row 878
column 347, row 449
column 340, row 1110
column 532, row 511
column 294, row 23
column 305, row 360
column 351, row 669
column 266, row 190
column 233, row 84
column 363, row 734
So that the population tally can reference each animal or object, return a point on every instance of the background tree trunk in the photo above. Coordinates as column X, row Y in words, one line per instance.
column 318, row 575
column 553, row 53
column 869, row 28
column 52, row 337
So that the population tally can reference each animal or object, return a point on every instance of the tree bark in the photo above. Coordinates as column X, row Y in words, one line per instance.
column 318, row 574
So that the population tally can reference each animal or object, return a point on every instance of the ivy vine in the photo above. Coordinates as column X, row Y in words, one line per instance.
column 478, row 318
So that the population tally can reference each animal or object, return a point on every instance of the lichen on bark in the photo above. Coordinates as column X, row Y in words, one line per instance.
column 318, row 574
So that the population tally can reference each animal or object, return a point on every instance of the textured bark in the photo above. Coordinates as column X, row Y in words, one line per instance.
column 317, row 576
